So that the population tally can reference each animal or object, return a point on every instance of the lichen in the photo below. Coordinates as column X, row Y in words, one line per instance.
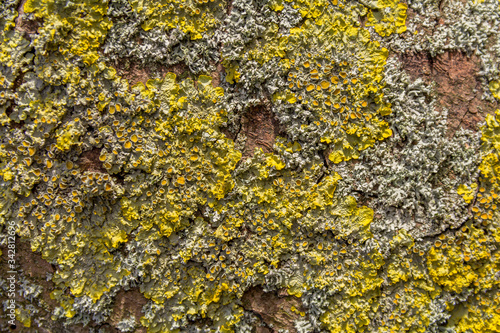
column 387, row 17
column 193, row 17
column 73, row 29
column 360, row 206
column 334, row 76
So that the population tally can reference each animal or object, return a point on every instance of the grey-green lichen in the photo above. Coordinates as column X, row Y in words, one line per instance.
column 411, row 179
column 364, row 208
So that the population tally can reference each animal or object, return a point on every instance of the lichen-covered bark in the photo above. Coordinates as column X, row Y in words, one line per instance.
column 251, row 166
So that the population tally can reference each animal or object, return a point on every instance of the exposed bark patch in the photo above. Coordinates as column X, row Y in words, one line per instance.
column 128, row 303
column 24, row 25
column 89, row 161
column 36, row 269
column 177, row 69
column 262, row 329
column 33, row 267
column 32, row 263
column 217, row 74
column 229, row 7
column 458, row 86
column 261, row 129
column 135, row 72
column 418, row 65
column 273, row 308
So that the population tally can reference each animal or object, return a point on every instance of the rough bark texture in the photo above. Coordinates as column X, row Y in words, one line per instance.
column 241, row 166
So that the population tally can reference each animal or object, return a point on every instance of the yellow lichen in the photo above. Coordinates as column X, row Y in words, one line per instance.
column 388, row 17
column 193, row 17
column 78, row 28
